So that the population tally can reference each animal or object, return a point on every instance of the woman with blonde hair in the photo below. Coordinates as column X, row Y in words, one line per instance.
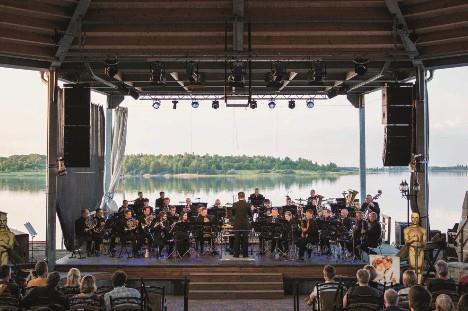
column 87, row 299
column 409, row 279
column 444, row 303
column 73, row 278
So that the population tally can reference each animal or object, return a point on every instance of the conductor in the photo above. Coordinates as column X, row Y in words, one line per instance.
column 241, row 213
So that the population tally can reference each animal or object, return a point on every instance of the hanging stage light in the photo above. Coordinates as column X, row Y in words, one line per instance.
column 310, row 103
column 360, row 66
column 111, row 67
column 174, row 104
column 272, row 104
column 156, row 104
column 195, row 104
column 253, row 104
column 157, row 73
column 215, row 104
column 292, row 104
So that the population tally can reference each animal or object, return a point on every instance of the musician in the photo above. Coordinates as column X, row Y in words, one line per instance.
column 98, row 232
column 138, row 203
column 241, row 213
column 275, row 218
column 145, row 205
column 314, row 201
column 147, row 221
column 159, row 203
column 309, row 234
column 181, row 235
column 217, row 204
column 256, row 199
column 371, row 206
column 345, row 219
column 205, row 233
column 359, row 232
column 327, row 230
column 83, row 230
column 347, row 224
column 124, row 207
column 290, row 206
column 189, row 208
column 289, row 233
column 160, row 234
column 166, row 205
column 129, row 232
column 265, row 210
column 374, row 234
column 173, row 215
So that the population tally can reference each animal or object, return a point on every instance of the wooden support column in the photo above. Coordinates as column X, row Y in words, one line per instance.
column 51, row 181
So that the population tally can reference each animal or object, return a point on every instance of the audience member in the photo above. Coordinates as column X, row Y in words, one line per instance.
column 419, row 298
column 391, row 301
column 39, row 275
column 47, row 295
column 7, row 287
column 442, row 281
column 73, row 277
column 409, row 279
column 87, row 296
column 372, row 277
column 328, row 277
column 361, row 294
column 119, row 280
column 463, row 303
column 444, row 303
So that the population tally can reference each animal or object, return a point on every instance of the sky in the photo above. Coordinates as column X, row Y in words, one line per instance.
column 329, row 132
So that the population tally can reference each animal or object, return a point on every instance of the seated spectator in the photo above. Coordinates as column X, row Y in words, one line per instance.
column 87, row 298
column 444, row 303
column 409, row 279
column 391, row 301
column 47, row 295
column 419, row 298
column 442, row 281
column 463, row 303
column 72, row 284
column 329, row 278
column 119, row 280
column 7, row 287
column 362, row 296
column 39, row 275
column 372, row 277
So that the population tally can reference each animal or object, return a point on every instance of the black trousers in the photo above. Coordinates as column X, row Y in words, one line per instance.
column 302, row 243
column 241, row 240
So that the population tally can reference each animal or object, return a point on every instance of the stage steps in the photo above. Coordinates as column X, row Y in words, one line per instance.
column 236, row 285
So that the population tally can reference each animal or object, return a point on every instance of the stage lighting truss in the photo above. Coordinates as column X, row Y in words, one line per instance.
column 111, row 67
column 292, row 104
column 158, row 73
column 360, row 66
column 156, row 104
column 236, row 77
column 310, row 103
column 272, row 104
column 215, row 104
column 253, row 104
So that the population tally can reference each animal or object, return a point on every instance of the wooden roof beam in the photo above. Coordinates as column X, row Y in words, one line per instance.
column 34, row 8
column 72, row 29
column 403, row 31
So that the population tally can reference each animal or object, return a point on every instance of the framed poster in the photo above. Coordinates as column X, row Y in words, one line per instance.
column 387, row 267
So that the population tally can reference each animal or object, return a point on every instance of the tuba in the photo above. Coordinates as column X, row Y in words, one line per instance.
column 350, row 197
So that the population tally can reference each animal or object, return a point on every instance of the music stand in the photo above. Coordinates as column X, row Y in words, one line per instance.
column 32, row 232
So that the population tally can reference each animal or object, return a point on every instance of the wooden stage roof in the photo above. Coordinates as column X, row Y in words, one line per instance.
column 300, row 37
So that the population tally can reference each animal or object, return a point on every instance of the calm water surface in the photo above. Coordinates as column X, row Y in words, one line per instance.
column 24, row 198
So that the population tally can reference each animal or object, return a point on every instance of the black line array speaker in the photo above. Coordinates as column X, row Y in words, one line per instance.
column 397, row 115
column 76, row 137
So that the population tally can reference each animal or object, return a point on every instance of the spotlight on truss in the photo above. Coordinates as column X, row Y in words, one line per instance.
column 360, row 66
column 195, row 104
column 111, row 67
column 215, row 104
column 156, row 104
column 310, row 103
column 174, row 104
column 292, row 104
column 253, row 104
column 157, row 73
column 272, row 104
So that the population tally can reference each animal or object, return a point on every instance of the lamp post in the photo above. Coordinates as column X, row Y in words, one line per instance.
column 408, row 194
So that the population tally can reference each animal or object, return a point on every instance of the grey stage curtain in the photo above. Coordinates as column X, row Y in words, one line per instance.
column 81, row 187
column 119, row 138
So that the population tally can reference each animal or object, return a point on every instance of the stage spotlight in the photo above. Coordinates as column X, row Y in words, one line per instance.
column 111, row 67
column 215, row 104
column 174, row 104
column 156, row 104
column 195, row 104
column 360, row 66
column 253, row 104
column 310, row 103
column 292, row 104
column 157, row 73
column 272, row 104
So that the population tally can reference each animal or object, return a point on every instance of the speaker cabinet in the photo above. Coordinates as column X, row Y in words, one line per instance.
column 76, row 144
column 397, row 145
column 397, row 104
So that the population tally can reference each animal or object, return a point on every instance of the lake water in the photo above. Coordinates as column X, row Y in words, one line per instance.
column 24, row 199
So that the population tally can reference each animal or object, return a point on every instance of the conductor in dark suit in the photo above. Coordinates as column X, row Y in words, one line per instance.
column 241, row 212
